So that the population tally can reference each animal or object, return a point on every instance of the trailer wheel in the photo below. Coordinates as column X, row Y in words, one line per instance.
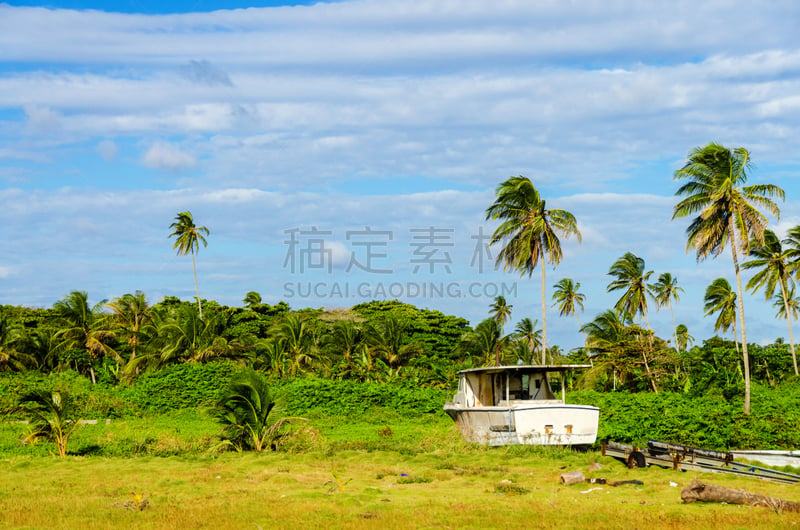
column 636, row 459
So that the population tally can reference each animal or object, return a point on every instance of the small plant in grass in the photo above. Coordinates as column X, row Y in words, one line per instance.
column 337, row 485
column 244, row 410
column 51, row 416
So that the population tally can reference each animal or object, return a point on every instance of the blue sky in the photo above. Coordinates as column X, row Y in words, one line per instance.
column 385, row 124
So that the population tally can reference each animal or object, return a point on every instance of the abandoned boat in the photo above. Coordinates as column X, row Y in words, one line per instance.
column 509, row 405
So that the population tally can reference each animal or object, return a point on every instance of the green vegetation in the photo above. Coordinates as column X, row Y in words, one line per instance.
column 186, row 382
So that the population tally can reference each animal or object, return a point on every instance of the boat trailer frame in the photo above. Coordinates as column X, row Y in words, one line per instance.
column 686, row 458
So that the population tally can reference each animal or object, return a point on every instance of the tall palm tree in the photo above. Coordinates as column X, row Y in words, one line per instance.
column 727, row 212
column 188, row 237
column 664, row 291
column 84, row 328
column 631, row 277
column 775, row 270
column 567, row 298
column 530, row 233
column 720, row 298
column 500, row 310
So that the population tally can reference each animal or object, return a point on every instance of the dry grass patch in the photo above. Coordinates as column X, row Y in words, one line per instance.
column 478, row 488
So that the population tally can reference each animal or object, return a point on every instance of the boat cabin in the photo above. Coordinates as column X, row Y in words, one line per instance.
column 507, row 385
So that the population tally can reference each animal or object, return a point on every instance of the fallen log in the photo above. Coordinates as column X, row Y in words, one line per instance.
column 573, row 477
column 699, row 491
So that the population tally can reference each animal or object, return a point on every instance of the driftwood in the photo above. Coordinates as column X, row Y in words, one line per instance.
column 699, row 491
column 573, row 477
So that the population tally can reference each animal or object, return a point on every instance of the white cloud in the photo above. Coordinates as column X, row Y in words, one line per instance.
column 168, row 157
column 107, row 150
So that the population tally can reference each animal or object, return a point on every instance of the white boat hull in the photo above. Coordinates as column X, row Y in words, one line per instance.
column 527, row 424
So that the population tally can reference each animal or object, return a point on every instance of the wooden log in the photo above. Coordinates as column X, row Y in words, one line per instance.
column 699, row 491
column 573, row 477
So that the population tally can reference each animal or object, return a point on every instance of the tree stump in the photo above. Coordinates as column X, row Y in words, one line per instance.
column 699, row 491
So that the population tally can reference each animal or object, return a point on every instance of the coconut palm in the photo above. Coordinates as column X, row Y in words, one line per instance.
column 775, row 271
column 500, row 310
column 721, row 299
column 188, row 237
column 727, row 213
column 132, row 314
column 567, row 298
column 631, row 277
column 682, row 337
column 251, row 299
column 611, row 343
column 527, row 333
column 388, row 340
column 244, row 410
column 664, row 292
column 790, row 306
column 486, row 342
column 530, row 233
column 84, row 328
column 51, row 416
column 12, row 356
column 299, row 342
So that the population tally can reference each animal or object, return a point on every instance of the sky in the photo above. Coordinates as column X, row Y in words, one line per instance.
column 346, row 151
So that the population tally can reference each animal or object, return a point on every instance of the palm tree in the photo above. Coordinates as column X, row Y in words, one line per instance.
column 727, row 212
column 188, row 237
column 611, row 343
column 630, row 275
column 486, row 341
column 244, row 410
column 531, row 337
column 51, row 415
column 388, row 339
column 251, row 299
column 567, row 298
column 530, row 232
column 664, row 291
column 299, row 342
column 84, row 328
column 775, row 270
column 792, row 305
column 133, row 314
column 720, row 298
column 682, row 337
column 12, row 358
column 500, row 310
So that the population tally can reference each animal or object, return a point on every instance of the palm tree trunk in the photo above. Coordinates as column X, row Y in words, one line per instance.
column 544, row 316
column 789, row 320
column 644, row 355
column 674, row 327
column 740, row 303
column 196, row 288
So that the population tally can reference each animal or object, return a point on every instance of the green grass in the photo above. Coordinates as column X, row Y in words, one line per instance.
column 385, row 471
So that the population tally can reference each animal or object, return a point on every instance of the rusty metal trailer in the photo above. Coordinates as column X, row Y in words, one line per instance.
column 686, row 458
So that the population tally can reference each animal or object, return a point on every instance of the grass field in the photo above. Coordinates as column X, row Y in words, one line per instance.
column 342, row 473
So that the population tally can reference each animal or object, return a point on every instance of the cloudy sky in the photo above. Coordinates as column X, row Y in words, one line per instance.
column 345, row 151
